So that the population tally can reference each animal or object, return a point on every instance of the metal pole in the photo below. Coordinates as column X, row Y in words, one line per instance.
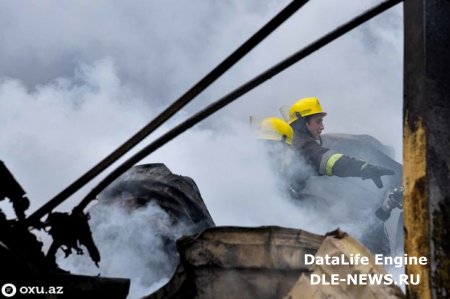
column 426, row 145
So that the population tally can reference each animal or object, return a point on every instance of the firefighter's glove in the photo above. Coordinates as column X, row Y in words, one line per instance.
column 369, row 171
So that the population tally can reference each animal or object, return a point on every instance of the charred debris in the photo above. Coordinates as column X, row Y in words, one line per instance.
column 426, row 190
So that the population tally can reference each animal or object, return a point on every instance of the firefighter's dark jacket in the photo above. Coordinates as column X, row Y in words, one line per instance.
column 323, row 160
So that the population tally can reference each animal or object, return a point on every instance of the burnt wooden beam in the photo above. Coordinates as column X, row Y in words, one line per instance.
column 427, row 144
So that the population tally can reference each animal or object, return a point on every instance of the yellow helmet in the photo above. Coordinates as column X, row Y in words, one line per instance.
column 305, row 107
column 274, row 128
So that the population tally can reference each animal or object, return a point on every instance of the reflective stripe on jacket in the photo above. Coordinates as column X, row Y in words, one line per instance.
column 324, row 160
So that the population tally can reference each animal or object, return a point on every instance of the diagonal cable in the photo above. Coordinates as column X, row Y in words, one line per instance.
column 217, row 105
column 246, row 47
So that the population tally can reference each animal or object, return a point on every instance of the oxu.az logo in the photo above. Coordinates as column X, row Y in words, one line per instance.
column 8, row 290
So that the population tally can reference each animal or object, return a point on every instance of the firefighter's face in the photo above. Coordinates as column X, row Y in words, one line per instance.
column 315, row 125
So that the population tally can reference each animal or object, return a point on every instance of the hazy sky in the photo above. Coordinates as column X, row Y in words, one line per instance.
column 77, row 78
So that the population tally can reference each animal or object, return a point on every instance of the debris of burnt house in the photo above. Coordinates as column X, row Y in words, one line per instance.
column 237, row 262
column 23, row 262
column 338, row 243
column 135, row 223
column 176, row 195
column 220, row 262
column 265, row 263
column 71, row 232
column 28, row 256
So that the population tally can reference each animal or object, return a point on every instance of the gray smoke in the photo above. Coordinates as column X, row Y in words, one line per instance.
column 132, row 245
column 77, row 79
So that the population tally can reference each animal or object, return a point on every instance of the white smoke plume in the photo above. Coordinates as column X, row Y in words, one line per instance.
column 130, row 248
column 77, row 79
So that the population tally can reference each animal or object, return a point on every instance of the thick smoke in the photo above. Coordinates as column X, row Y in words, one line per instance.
column 77, row 80
column 132, row 248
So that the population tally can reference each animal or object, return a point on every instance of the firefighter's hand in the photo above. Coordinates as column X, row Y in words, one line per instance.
column 369, row 171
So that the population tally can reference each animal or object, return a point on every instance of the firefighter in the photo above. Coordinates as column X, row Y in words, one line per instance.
column 277, row 136
column 306, row 119
column 275, row 129
column 290, row 167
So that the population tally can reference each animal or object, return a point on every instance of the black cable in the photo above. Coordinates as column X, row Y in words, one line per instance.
column 210, row 109
column 246, row 47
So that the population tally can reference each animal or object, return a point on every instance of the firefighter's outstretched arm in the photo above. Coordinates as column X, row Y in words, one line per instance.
column 340, row 165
